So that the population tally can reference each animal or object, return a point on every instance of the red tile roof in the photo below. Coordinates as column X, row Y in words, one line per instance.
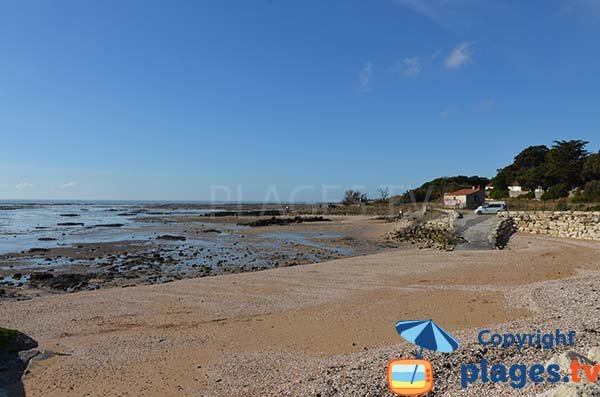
column 463, row 192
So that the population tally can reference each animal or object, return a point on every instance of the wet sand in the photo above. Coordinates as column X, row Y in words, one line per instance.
column 232, row 334
column 174, row 247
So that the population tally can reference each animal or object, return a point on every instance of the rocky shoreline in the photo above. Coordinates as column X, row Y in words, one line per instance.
column 179, row 249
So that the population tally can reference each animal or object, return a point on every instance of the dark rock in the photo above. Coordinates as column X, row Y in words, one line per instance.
column 40, row 276
column 284, row 221
column 170, row 237
column 244, row 213
column 70, row 224
column 69, row 215
column 69, row 282
column 46, row 239
column 38, row 250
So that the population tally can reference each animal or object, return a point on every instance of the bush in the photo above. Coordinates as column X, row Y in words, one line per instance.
column 591, row 168
column 592, row 190
column 561, row 205
column 555, row 192
column 498, row 194
column 354, row 197
column 579, row 197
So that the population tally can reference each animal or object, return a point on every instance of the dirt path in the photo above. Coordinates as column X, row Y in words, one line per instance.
column 171, row 339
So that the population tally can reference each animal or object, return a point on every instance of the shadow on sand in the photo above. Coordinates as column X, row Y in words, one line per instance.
column 16, row 349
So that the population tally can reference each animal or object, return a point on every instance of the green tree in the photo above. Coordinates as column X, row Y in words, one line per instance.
column 565, row 162
column 530, row 167
column 531, row 157
column 531, row 178
column 498, row 194
column 503, row 179
column 591, row 168
column 555, row 192
column 435, row 189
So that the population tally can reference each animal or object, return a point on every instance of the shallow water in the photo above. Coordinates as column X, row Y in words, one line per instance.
column 22, row 226
column 150, row 258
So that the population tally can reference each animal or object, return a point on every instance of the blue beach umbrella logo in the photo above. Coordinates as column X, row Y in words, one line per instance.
column 408, row 377
column 427, row 335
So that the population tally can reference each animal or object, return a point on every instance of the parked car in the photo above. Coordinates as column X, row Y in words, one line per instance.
column 491, row 208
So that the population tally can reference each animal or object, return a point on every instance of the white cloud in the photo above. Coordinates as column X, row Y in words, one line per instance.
column 413, row 66
column 444, row 114
column 409, row 67
column 460, row 56
column 24, row 185
column 365, row 76
column 69, row 185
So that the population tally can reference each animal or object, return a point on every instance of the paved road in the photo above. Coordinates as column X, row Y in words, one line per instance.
column 475, row 229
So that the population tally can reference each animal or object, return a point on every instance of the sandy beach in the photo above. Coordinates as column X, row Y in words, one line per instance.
column 300, row 199
column 318, row 329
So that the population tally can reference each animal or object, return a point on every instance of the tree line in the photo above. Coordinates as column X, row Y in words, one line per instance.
column 566, row 166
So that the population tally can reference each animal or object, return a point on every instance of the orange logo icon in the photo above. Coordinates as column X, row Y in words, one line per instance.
column 409, row 377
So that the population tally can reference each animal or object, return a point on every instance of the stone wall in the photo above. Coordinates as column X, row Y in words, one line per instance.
column 500, row 233
column 572, row 224
column 435, row 233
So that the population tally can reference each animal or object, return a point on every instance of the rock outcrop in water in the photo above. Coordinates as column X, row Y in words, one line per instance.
column 171, row 238
column 38, row 250
column 284, row 221
column 68, row 282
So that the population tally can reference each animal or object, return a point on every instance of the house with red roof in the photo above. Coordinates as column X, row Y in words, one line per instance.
column 465, row 198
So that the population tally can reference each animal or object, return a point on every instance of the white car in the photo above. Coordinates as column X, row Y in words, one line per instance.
column 491, row 208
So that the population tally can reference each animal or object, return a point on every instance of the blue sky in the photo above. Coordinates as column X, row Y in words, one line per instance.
column 284, row 99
